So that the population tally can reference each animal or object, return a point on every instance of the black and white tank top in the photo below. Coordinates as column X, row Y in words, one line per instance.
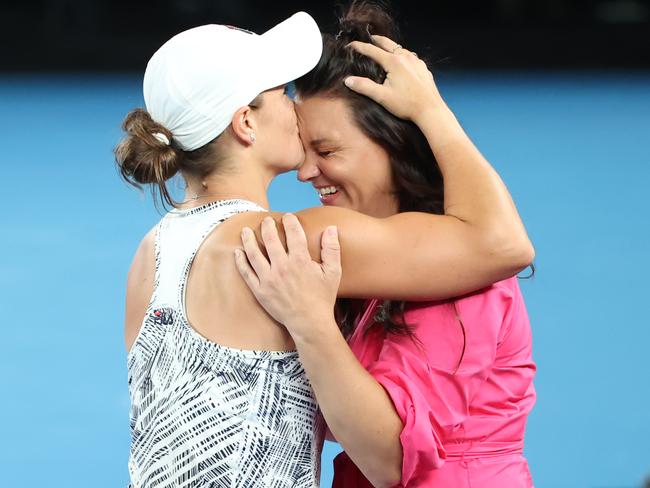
column 206, row 415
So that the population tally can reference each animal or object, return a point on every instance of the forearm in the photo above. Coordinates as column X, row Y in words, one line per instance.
column 358, row 411
column 474, row 192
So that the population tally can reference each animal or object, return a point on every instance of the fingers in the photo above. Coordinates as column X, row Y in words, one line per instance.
column 392, row 47
column 274, row 247
column 373, row 52
column 255, row 257
column 330, row 253
column 366, row 87
column 296, row 238
column 385, row 43
column 246, row 271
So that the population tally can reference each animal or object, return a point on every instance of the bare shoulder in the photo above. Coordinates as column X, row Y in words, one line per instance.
column 139, row 286
column 227, row 236
column 144, row 261
column 353, row 228
column 313, row 220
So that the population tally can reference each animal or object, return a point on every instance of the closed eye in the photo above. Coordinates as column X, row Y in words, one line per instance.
column 324, row 154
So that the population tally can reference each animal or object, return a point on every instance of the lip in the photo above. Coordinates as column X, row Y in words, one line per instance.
column 328, row 199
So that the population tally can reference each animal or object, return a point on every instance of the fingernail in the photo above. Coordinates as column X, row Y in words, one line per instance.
column 332, row 231
column 348, row 82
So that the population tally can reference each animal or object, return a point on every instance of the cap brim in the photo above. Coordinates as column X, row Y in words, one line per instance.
column 289, row 50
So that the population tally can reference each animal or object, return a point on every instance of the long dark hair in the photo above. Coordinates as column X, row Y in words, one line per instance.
column 417, row 180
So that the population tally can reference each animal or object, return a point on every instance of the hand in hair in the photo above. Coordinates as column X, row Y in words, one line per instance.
column 408, row 86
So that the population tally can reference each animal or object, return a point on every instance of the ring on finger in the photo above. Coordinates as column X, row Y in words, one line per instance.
column 399, row 46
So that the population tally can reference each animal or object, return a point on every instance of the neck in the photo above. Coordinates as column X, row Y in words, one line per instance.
column 244, row 180
column 382, row 208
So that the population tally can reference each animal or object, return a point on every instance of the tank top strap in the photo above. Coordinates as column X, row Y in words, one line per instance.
column 179, row 235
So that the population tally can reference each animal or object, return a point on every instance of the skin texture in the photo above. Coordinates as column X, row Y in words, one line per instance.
column 338, row 153
column 278, row 134
column 249, row 169
column 481, row 240
column 300, row 293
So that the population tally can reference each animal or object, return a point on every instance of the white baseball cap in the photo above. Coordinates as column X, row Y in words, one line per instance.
column 197, row 80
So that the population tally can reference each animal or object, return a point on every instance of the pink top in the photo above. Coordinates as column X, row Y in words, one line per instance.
column 463, row 429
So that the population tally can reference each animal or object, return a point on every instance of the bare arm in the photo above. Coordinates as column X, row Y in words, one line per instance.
column 139, row 287
column 300, row 294
column 358, row 411
column 413, row 256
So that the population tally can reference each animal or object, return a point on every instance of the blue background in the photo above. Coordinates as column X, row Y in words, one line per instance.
column 574, row 149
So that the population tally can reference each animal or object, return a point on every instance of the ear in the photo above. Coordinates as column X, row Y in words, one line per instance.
column 243, row 124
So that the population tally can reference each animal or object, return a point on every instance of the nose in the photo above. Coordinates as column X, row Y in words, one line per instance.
column 309, row 169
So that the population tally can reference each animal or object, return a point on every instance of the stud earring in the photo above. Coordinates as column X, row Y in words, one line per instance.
column 252, row 136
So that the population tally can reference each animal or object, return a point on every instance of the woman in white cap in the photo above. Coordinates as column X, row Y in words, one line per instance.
column 218, row 394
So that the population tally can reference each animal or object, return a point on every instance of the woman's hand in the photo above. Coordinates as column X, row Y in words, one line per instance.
column 292, row 288
column 408, row 89
column 300, row 293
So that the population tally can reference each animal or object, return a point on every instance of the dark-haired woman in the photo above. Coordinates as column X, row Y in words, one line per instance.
column 218, row 394
column 432, row 394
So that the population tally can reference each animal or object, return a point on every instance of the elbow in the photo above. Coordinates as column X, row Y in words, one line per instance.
column 394, row 478
column 388, row 481
column 388, row 476
column 515, row 253
column 523, row 253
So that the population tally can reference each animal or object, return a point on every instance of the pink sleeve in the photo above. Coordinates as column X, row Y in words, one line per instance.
column 431, row 398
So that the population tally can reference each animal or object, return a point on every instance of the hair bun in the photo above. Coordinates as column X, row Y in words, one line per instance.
column 144, row 155
column 363, row 18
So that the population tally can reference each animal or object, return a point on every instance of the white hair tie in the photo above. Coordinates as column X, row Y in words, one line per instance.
column 162, row 138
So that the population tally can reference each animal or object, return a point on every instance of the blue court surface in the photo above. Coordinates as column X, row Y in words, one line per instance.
column 574, row 149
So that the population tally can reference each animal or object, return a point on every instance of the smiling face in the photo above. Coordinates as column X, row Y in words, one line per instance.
column 344, row 165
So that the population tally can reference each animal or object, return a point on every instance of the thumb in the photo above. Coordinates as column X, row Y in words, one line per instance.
column 364, row 86
column 330, row 251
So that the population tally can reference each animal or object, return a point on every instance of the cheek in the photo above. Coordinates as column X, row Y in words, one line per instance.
column 283, row 131
column 290, row 118
column 369, row 176
column 287, row 130
column 338, row 170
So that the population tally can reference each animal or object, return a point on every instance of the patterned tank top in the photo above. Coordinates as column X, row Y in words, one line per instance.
column 206, row 415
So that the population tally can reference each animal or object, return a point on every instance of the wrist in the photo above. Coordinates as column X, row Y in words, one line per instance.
column 313, row 330
column 439, row 124
column 433, row 111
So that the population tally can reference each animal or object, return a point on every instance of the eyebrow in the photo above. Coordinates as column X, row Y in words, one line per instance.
column 318, row 142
